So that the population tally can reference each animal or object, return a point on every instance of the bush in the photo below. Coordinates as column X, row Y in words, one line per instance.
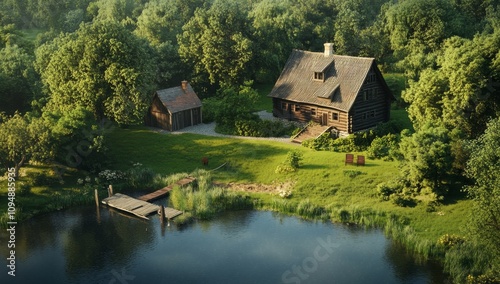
column 24, row 189
column 291, row 163
column 384, row 147
column 448, row 241
column 402, row 200
column 248, row 128
column 42, row 179
column 384, row 190
column 263, row 128
column 140, row 178
column 358, row 142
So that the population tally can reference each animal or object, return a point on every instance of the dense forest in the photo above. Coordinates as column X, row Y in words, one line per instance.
column 68, row 67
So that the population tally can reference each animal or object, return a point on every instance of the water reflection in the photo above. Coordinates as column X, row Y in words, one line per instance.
column 83, row 245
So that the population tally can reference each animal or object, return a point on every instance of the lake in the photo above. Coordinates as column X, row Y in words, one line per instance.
column 81, row 246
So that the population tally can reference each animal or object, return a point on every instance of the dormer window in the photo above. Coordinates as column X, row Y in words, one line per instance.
column 319, row 76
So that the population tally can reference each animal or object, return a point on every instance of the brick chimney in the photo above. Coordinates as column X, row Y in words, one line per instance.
column 328, row 49
column 184, row 85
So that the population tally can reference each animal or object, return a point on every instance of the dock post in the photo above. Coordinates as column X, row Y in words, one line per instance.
column 96, row 194
column 162, row 214
column 110, row 190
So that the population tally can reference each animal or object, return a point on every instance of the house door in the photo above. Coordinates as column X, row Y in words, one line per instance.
column 324, row 119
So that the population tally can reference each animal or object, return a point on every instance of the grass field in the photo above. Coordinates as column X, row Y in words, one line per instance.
column 322, row 179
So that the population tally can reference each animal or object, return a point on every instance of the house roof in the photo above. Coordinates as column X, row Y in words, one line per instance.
column 176, row 99
column 343, row 78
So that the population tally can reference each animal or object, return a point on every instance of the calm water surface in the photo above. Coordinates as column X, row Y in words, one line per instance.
column 81, row 246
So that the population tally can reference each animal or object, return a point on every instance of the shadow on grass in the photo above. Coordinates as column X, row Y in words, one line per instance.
column 312, row 167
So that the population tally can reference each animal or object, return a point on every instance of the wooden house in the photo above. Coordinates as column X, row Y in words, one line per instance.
column 175, row 108
column 345, row 92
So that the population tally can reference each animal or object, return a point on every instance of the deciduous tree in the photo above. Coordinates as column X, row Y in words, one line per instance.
column 217, row 44
column 103, row 67
column 483, row 168
column 427, row 159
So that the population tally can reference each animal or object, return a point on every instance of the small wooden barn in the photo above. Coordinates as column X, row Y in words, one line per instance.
column 348, row 93
column 175, row 108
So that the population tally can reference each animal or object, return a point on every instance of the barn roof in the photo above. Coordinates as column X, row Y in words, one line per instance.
column 177, row 99
column 343, row 78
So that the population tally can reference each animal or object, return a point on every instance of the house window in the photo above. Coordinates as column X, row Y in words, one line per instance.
column 297, row 107
column 313, row 111
column 319, row 76
column 368, row 94
column 368, row 114
column 335, row 116
column 283, row 106
column 371, row 78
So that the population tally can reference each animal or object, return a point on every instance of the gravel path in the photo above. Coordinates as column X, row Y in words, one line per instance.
column 209, row 130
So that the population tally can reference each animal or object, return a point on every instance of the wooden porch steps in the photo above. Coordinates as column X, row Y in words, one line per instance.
column 309, row 132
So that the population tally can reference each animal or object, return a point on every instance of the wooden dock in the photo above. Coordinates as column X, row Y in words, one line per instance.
column 131, row 205
column 140, row 206
column 162, row 192
column 171, row 213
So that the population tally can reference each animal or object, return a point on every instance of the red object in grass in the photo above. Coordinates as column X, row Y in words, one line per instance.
column 204, row 161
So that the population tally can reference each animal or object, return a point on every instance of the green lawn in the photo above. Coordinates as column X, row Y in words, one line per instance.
column 321, row 178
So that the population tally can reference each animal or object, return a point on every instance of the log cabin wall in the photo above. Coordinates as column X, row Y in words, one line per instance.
column 371, row 107
column 306, row 112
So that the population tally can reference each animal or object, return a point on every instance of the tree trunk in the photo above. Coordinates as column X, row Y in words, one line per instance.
column 18, row 166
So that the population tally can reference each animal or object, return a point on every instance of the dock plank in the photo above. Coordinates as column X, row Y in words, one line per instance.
column 162, row 192
column 131, row 205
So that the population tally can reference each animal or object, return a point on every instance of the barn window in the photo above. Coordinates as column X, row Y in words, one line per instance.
column 319, row 76
column 297, row 107
column 313, row 111
column 283, row 106
column 335, row 116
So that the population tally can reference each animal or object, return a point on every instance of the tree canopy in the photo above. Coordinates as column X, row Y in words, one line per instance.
column 104, row 67
column 484, row 168
column 217, row 44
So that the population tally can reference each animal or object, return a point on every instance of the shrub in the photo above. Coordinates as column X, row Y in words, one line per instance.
column 293, row 159
column 248, row 128
column 384, row 190
column 402, row 200
column 263, row 128
column 24, row 189
column 384, row 147
column 282, row 168
column 291, row 163
column 42, row 179
column 139, row 177
column 359, row 141
column 448, row 241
